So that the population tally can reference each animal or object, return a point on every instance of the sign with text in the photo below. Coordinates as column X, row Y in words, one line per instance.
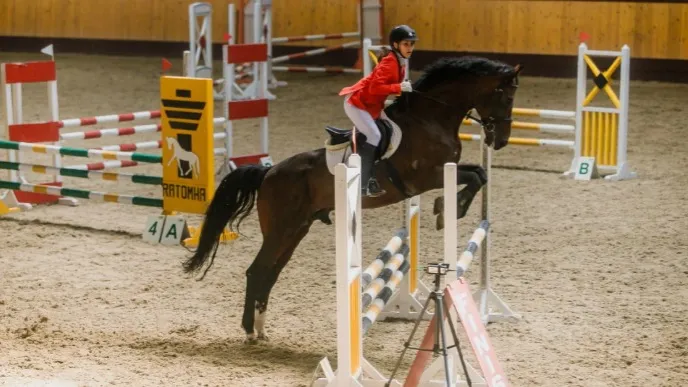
column 166, row 230
column 187, row 143
column 586, row 169
column 460, row 296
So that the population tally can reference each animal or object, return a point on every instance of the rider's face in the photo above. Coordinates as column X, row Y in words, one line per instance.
column 405, row 47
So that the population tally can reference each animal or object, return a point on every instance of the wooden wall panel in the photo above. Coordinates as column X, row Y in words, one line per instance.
column 652, row 30
column 151, row 20
column 307, row 17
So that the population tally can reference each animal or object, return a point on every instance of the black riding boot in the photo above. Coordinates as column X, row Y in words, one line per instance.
column 369, row 184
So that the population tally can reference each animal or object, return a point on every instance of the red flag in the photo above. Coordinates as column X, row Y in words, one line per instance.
column 226, row 37
column 583, row 37
column 166, row 65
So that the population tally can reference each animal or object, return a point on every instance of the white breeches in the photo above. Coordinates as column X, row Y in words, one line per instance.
column 363, row 122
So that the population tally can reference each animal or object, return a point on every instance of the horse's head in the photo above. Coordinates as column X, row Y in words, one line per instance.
column 453, row 86
column 494, row 104
column 169, row 141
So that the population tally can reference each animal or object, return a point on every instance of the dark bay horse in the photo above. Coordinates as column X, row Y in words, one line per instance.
column 294, row 193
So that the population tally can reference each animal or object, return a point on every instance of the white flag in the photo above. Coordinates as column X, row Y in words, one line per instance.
column 48, row 50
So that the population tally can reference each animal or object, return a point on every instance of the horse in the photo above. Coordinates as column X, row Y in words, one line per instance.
column 292, row 194
column 180, row 154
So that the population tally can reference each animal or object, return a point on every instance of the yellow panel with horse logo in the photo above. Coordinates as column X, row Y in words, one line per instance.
column 187, row 149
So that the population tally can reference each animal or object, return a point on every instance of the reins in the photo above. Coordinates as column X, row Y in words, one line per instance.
column 488, row 124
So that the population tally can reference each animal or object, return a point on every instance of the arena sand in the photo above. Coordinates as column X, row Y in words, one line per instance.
column 597, row 269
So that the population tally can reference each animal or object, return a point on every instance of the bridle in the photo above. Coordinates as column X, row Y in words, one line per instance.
column 488, row 124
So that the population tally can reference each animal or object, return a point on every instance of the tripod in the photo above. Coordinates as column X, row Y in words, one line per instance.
column 440, row 344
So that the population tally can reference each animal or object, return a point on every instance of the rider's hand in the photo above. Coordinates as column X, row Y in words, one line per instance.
column 406, row 86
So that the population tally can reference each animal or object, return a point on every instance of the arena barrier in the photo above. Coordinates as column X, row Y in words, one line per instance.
column 14, row 75
column 187, row 181
column 363, row 295
column 198, row 177
column 598, row 132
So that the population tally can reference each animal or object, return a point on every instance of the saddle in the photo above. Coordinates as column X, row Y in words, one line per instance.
column 343, row 136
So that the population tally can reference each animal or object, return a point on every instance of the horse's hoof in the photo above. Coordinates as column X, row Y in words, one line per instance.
column 439, row 224
column 251, row 341
column 464, row 202
column 254, row 339
column 439, row 205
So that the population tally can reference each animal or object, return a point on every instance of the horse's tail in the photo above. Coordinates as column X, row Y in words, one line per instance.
column 232, row 203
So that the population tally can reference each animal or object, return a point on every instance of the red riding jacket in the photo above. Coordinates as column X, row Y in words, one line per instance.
column 371, row 92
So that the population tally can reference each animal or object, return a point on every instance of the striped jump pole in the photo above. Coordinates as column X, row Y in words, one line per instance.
column 407, row 302
column 109, row 164
column 80, row 173
column 112, row 164
column 145, row 145
column 391, row 266
column 392, row 247
column 138, row 146
column 473, row 244
column 117, row 132
column 545, row 113
column 524, row 141
column 378, row 305
column 79, row 152
column 310, row 69
column 317, row 51
column 553, row 128
column 82, row 194
column 109, row 119
column 112, row 132
column 302, row 38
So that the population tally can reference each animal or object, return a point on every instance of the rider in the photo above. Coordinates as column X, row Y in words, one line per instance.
column 365, row 101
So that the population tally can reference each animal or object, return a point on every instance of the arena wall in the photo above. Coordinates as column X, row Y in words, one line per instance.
column 539, row 32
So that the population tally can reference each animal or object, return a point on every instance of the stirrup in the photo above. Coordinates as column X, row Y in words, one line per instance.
column 372, row 189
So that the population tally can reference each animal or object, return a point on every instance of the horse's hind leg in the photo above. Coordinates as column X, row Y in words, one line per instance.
column 256, row 277
column 263, row 295
column 283, row 225
column 474, row 177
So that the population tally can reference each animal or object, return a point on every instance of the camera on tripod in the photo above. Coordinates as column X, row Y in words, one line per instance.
column 437, row 268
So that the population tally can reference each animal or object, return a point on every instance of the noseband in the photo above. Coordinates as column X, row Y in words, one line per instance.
column 490, row 123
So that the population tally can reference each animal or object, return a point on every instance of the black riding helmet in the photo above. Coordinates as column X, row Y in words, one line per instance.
column 402, row 32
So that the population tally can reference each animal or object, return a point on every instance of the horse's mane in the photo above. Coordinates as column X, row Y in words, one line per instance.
column 451, row 68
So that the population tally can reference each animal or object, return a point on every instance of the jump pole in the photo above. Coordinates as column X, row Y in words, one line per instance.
column 263, row 14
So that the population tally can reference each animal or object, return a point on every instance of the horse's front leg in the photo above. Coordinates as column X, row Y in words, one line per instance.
column 474, row 177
